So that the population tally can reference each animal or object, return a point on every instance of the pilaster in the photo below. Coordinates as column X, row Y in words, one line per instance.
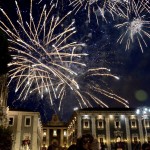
column 47, row 137
column 61, row 137
column 18, row 132
column 108, row 132
column 34, row 136
column 93, row 126
column 140, row 129
column 128, row 132
column 79, row 131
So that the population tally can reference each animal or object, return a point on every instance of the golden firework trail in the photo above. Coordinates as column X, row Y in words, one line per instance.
column 44, row 60
column 92, row 91
column 41, row 56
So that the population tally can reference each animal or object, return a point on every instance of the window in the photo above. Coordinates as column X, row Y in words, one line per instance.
column 101, row 138
column 11, row 121
column 100, row 124
column 134, row 137
column 118, row 139
column 54, row 132
column 117, row 124
column 65, row 133
column 27, row 121
column 133, row 124
column 26, row 136
column 146, row 123
column 86, row 124
column 44, row 133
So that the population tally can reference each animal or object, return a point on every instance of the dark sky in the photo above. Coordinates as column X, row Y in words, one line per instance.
column 132, row 66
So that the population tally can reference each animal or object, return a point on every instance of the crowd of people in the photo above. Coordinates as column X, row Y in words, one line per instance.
column 87, row 142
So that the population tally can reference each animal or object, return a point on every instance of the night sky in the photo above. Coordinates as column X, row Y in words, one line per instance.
column 131, row 66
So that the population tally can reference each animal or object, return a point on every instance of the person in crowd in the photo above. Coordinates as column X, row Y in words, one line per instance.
column 95, row 145
column 145, row 146
column 84, row 143
column 72, row 147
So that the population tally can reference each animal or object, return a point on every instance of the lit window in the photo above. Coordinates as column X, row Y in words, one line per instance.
column 147, row 123
column 44, row 132
column 54, row 132
column 26, row 136
column 133, row 124
column 11, row 121
column 101, row 138
column 117, row 124
column 65, row 133
column 27, row 121
column 135, row 137
column 111, row 117
column 86, row 124
column 100, row 124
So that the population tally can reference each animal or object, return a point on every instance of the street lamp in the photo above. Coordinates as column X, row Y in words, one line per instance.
column 143, row 112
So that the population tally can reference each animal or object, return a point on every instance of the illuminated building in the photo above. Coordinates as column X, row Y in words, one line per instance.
column 27, row 129
column 110, row 126
column 55, row 132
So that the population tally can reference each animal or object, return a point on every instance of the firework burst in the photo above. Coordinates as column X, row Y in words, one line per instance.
column 136, row 25
column 97, row 7
column 93, row 89
column 98, row 88
column 92, row 6
column 42, row 57
column 46, row 60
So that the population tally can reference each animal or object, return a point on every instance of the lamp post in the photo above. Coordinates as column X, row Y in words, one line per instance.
column 144, row 112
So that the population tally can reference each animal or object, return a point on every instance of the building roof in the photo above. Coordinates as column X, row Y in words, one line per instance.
column 55, row 122
column 107, row 109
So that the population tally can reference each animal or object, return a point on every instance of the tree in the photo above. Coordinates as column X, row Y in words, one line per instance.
column 5, row 138
column 5, row 57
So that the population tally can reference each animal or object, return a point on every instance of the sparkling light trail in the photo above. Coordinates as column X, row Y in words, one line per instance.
column 45, row 59
column 136, row 23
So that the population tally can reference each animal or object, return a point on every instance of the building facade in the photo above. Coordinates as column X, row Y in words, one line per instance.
column 27, row 130
column 54, row 133
column 3, row 100
column 111, row 126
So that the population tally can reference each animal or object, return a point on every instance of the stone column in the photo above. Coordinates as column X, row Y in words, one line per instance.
column 108, row 132
column 18, row 133
column 47, row 137
column 34, row 135
column 61, row 137
column 93, row 126
column 140, row 129
column 128, row 132
column 79, row 131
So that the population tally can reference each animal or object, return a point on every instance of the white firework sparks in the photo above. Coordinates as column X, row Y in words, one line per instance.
column 136, row 25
